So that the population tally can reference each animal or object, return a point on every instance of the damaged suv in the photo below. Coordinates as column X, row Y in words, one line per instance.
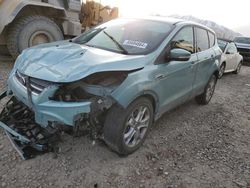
column 115, row 80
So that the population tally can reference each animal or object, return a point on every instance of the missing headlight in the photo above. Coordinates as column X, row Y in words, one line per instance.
column 98, row 84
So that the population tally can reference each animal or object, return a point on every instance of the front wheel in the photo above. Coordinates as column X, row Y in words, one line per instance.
column 206, row 96
column 126, row 129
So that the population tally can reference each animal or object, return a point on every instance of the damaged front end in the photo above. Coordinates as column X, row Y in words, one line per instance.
column 39, row 111
column 27, row 137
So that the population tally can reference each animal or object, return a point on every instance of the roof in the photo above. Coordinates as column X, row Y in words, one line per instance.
column 172, row 21
column 175, row 21
column 163, row 19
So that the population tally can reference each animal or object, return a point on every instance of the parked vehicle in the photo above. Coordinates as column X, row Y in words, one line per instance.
column 243, row 45
column 116, row 80
column 26, row 23
column 231, row 60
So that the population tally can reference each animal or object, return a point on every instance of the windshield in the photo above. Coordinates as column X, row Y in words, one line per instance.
column 244, row 40
column 127, row 36
column 222, row 44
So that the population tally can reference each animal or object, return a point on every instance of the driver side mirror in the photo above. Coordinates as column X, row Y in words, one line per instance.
column 178, row 54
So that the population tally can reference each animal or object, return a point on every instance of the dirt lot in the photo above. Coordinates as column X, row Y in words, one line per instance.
column 191, row 146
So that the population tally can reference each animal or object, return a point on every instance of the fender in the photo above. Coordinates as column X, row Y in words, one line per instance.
column 10, row 9
column 134, row 90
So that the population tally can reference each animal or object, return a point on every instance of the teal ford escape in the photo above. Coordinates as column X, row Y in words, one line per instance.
column 114, row 80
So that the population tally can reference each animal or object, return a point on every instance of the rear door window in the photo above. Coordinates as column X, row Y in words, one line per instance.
column 202, row 40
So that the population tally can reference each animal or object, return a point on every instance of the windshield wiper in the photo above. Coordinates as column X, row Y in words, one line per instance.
column 87, row 37
column 116, row 42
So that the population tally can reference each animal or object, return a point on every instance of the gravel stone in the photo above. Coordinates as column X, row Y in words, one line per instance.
column 191, row 146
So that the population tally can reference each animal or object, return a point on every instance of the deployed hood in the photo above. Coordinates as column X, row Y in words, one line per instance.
column 67, row 62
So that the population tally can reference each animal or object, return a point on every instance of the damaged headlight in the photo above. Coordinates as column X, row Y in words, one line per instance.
column 96, row 85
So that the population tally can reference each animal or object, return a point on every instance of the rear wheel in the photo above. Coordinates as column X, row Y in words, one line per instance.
column 206, row 96
column 126, row 129
column 30, row 31
column 237, row 71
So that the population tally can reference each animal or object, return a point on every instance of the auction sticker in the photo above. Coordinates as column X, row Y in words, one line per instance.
column 134, row 43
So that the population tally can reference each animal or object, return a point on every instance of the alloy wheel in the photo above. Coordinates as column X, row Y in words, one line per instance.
column 136, row 126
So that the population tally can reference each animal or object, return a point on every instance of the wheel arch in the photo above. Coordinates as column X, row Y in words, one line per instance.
column 152, row 96
column 224, row 62
column 216, row 73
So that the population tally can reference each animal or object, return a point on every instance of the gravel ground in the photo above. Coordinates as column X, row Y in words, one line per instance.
column 191, row 146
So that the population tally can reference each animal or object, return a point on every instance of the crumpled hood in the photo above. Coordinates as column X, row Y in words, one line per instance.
column 242, row 45
column 67, row 62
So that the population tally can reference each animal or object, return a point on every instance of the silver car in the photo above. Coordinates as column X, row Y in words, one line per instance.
column 231, row 60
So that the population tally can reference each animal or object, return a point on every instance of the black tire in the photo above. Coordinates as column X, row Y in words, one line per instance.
column 31, row 30
column 4, row 54
column 206, row 96
column 222, row 70
column 4, row 50
column 116, row 128
column 237, row 71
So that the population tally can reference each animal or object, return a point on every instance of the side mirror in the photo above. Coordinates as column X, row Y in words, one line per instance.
column 178, row 54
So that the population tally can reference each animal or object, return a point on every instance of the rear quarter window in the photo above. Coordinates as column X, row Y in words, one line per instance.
column 202, row 39
column 211, row 39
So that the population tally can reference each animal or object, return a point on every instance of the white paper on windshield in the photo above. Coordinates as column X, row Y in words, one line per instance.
column 134, row 43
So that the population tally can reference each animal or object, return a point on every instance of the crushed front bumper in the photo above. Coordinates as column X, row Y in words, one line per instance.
column 34, row 122
column 46, row 110
column 27, row 137
column 24, row 147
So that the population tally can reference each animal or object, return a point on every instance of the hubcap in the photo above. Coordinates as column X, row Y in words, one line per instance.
column 136, row 126
column 40, row 37
column 210, row 89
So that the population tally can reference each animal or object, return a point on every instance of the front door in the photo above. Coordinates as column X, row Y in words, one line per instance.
column 175, row 78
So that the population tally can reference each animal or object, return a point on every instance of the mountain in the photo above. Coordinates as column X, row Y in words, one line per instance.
column 221, row 31
column 245, row 30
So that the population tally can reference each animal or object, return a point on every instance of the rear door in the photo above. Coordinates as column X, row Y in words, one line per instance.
column 206, row 58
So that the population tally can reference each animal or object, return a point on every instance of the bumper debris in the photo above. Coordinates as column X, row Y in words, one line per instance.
column 27, row 137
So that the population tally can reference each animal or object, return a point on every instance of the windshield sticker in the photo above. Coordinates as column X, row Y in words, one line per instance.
column 134, row 43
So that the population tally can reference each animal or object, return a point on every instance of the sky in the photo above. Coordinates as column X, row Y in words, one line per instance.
column 231, row 14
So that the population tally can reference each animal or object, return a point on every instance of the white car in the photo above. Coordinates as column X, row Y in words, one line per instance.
column 231, row 60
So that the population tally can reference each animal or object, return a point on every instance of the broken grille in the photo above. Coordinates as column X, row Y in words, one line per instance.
column 36, row 85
